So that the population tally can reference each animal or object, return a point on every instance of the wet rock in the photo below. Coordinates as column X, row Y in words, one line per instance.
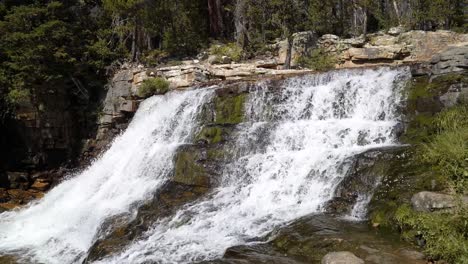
column 432, row 201
column 4, row 197
column 22, row 197
column 18, row 180
column 118, row 232
column 412, row 254
column 40, row 185
column 254, row 255
column 342, row 257
column 189, row 167
column 364, row 175
column 382, row 258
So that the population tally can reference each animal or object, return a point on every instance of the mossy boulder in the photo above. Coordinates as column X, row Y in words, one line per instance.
column 189, row 167
column 213, row 134
column 229, row 109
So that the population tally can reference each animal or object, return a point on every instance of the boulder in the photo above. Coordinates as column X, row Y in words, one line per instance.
column 452, row 59
column 456, row 94
column 377, row 53
column 394, row 31
column 341, row 257
column 302, row 43
column 432, row 201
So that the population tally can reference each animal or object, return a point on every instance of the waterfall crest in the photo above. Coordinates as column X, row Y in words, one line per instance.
column 290, row 156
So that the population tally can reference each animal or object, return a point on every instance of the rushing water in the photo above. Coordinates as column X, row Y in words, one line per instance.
column 289, row 157
column 62, row 226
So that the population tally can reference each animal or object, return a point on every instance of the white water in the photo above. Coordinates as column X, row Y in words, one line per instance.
column 290, row 157
column 62, row 226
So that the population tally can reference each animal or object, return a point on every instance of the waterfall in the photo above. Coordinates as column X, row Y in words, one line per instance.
column 290, row 157
column 61, row 227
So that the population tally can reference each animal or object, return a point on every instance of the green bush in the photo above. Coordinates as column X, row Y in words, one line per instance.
column 232, row 50
column 445, row 234
column 317, row 60
column 153, row 86
column 18, row 96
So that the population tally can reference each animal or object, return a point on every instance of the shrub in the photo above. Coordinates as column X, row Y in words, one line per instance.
column 231, row 50
column 317, row 60
column 153, row 86
column 18, row 96
column 155, row 57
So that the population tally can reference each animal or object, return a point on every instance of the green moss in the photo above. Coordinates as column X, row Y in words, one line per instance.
column 212, row 134
column 188, row 170
column 215, row 154
column 418, row 87
column 230, row 109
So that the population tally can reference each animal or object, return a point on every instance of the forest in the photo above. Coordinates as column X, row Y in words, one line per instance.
column 75, row 44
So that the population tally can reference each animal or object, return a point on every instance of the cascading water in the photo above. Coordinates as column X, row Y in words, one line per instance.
column 290, row 156
column 62, row 226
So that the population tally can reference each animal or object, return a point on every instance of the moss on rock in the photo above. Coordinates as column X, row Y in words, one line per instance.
column 230, row 109
column 188, row 170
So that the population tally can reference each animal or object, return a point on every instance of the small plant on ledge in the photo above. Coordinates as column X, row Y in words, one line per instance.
column 153, row 86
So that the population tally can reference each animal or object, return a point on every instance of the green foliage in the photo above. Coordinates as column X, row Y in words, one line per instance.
column 447, row 152
column 232, row 50
column 18, row 96
column 153, row 86
column 445, row 234
column 317, row 60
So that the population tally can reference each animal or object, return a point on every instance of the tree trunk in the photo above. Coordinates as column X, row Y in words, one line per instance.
column 287, row 63
column 134, row 42
column 397, row 11
column 240, row 23
column 215, row 18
